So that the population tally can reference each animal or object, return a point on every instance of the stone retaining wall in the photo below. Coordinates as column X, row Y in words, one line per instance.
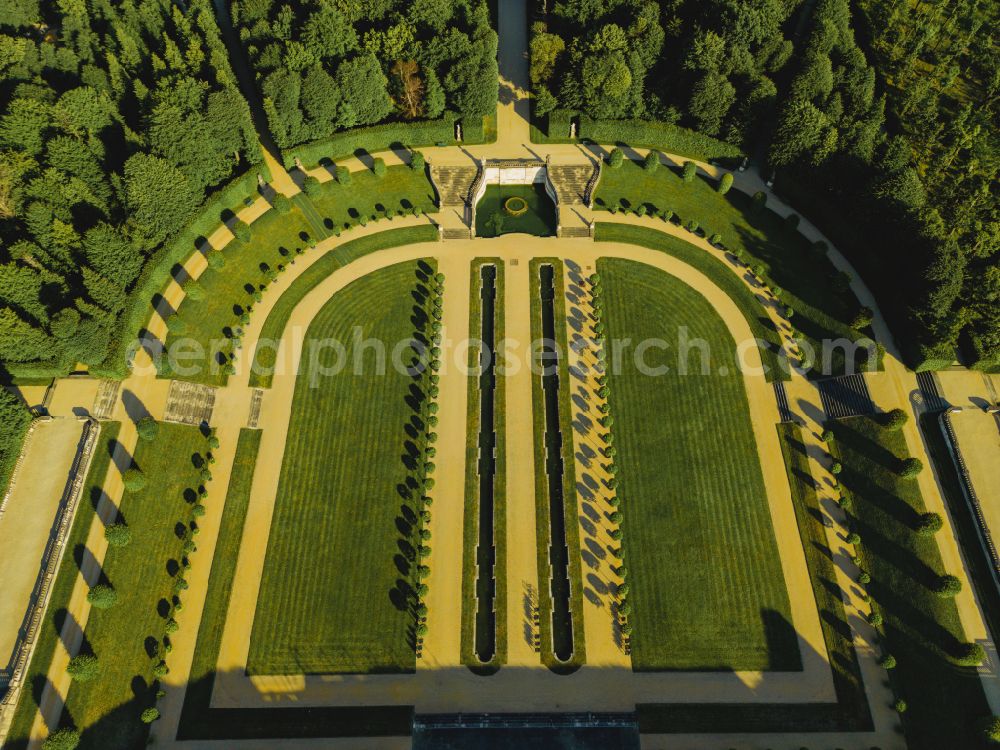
column 11, row 678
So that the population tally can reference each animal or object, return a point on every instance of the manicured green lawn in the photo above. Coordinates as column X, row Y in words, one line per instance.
column 691, row 486
column 126, row 637
column 470, row 529
column 220, row 584
column 339, row 257
column 823, row 308
column 371, row 197
column 201, row 722
column 228, row 292
column 275, row 241
column 336, row 594
column 761, row 325
column 62, row 589
column 922, row 630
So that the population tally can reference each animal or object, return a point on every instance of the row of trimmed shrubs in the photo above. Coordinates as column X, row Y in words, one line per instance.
column 623, row 605
column 86, row 666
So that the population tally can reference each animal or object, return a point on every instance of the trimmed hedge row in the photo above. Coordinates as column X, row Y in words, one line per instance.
column 15, row 420
column 381, row 137
column 156, row 273
column 660, row 135
column 640, row 134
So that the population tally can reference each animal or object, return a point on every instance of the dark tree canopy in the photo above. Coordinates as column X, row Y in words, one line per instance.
column 325, row 67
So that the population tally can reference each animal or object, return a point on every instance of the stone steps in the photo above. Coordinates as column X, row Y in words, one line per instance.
column 453, row 184
column 570, row 182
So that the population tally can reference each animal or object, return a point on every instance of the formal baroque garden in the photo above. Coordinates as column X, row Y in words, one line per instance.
column 569, row 363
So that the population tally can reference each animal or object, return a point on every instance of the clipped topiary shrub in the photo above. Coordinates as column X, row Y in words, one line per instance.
column 725, row 183
column 379, row 168
column 910, row 468
column 102, row 596
column 63, row 739
column 417, row 160
column 652, row 162
column 991, row 729
column 616, row 158
column 970, row 655
column 83, row 667
column 948, row 586
column 895, row 419
column 149, row 715
column 241, row 230
column 147, row 428
column 311, row 187
column 689, row 170
column 118, row 535
column 929, row 524
column 133, row 479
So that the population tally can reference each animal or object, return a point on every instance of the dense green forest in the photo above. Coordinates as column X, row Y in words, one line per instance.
column 881, row 124
column 116, row 117
column 328, row 65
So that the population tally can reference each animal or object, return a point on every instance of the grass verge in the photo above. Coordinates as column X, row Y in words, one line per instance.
column 128, row 639
column 824, row 306
column 470, row 531
column 542, row 521
column 922, row 630
column 62, row 589
column 691, row 484
column 338, row 257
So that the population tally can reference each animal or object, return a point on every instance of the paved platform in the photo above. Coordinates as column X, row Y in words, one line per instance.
column 28, row 519
column 978, row 436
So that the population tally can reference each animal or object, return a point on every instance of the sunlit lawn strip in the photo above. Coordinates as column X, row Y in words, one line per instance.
column 127, row 638
column 338, row 257
column 690, row 484
column 471, row 526
column 336, row 593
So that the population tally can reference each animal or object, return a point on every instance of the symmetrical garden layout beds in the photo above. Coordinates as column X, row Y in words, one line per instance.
column 311, row 619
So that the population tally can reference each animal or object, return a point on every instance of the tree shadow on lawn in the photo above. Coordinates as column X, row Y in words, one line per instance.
column 404, row 595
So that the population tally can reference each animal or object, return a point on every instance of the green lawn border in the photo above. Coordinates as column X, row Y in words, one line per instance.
column 724, row 278
column 392, row 136
column 663, row 136
column 945, row 700
column 569, row 477
column 198, row 720
column 333, row 260
column 62, row 590
column 470, row 531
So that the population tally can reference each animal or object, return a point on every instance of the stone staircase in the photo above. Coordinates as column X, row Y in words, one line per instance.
column 567, row 232
column 571, row 182
column 454, row 183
